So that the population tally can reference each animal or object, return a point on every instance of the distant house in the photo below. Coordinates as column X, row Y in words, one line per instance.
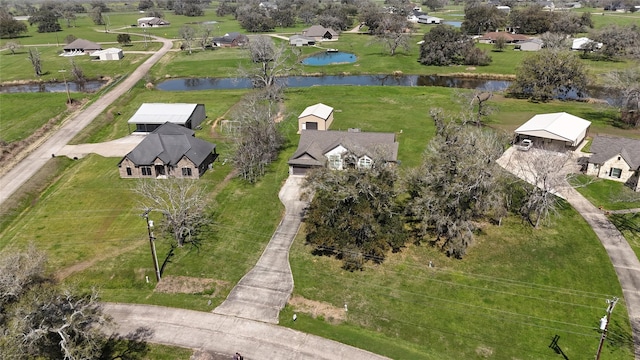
column 533, row 44
column 300, row 40
column 80, row 47
column 108, row 54
column 328, row 149
column 547, row 5
column 616, row 159
column 414, row 14
column 169, row 151
column 491, row 37
column 320, row 33
column 151, row 116
column 558, row 131
column 581, row 43
column 315, row 117
column 152, row 21
column 232, row 39
column 504, row 8
column 268, row 5
column 428, row 19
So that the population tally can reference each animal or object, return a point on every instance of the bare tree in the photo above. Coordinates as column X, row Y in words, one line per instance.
column 555, row 41
column 12, row 46
column 624, row 88
column 258, row 140
column 18, row 272
column 269, row 62
column 394, row 32
column 475, row 104
column 181, row 201
column 545, row 172
column 188, row 34
column 34, row 57
column 205, row 36
column 77, row 72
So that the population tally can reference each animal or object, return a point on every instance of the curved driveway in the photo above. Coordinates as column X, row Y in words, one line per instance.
column 265, row 290
column 623, row 258
column 19, row 174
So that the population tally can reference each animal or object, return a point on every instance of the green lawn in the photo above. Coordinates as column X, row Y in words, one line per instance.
column 516, row 289
column 608, row 194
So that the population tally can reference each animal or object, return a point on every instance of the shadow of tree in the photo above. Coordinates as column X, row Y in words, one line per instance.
column 132, row 346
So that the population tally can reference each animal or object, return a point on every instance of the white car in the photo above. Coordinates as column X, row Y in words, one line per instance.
column 525, row 145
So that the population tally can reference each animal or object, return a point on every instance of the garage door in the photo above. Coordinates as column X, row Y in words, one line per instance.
column 297, row 170
column 311, row 126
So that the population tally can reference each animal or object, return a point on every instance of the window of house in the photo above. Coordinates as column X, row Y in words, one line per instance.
column 186, row 171
column 618, row 157
column 364, row 162
column 129, row 173
column 335, row 162
column 146, row 171
column 615, row 172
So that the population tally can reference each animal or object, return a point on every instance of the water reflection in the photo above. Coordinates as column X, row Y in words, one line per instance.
column 357, row 80
column 84, row 86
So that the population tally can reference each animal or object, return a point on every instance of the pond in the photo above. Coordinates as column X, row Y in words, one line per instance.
column 341, row 80
column 330, row 57
column 456, row 24
column 88, row 87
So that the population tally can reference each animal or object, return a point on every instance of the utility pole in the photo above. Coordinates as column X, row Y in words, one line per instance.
column 66, row 85
column 604, row 324
column 152, row 244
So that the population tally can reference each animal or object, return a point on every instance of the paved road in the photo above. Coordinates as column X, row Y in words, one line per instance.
column 265, row 290
column 623, row 258
column 19, row 174
column 227, row 334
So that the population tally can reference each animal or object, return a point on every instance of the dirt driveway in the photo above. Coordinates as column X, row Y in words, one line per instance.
column 115, row 148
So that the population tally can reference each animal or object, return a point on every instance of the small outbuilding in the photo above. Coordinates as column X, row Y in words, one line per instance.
column 581, row 43
column 315, row 117
column 534, row 44
column 617, row 159
column 429, row 20
column 80, row 47
column 150, row 116
column 300, row 40
column 557, row 131
column 108, row 54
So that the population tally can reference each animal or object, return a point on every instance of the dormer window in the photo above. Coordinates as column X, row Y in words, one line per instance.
column 364, row 162
column 335, row 162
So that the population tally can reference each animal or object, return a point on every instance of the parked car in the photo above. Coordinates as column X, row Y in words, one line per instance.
column 525, row 145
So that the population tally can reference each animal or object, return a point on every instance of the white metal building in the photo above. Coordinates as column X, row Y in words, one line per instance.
column 150, row 116
column 555, row 130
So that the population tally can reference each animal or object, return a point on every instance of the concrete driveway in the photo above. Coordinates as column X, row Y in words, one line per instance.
column 227, row 334
column 265, row 290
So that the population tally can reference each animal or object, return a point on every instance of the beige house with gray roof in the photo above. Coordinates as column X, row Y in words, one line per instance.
column 615, row 159
column 330, row 149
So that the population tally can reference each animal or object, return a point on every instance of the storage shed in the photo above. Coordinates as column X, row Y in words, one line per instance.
column 558, row 131
column 150, row 116
column 108, row 54
column 315, row 117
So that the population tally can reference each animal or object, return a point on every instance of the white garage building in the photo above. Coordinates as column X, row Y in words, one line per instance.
column 559, row 131
column 151, row 116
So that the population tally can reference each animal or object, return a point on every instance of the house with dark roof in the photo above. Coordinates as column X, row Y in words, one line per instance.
column 315, row 117
column 320, row 33
column 232, row 39
column 616, row 159
column 491, row 37
column 152, row 21
column 80, row 47
column 169, row 151
column 150, row 116
column 340, row 149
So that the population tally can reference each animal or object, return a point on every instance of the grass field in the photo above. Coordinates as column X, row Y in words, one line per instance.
column 608, row 194
column 535, row 284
